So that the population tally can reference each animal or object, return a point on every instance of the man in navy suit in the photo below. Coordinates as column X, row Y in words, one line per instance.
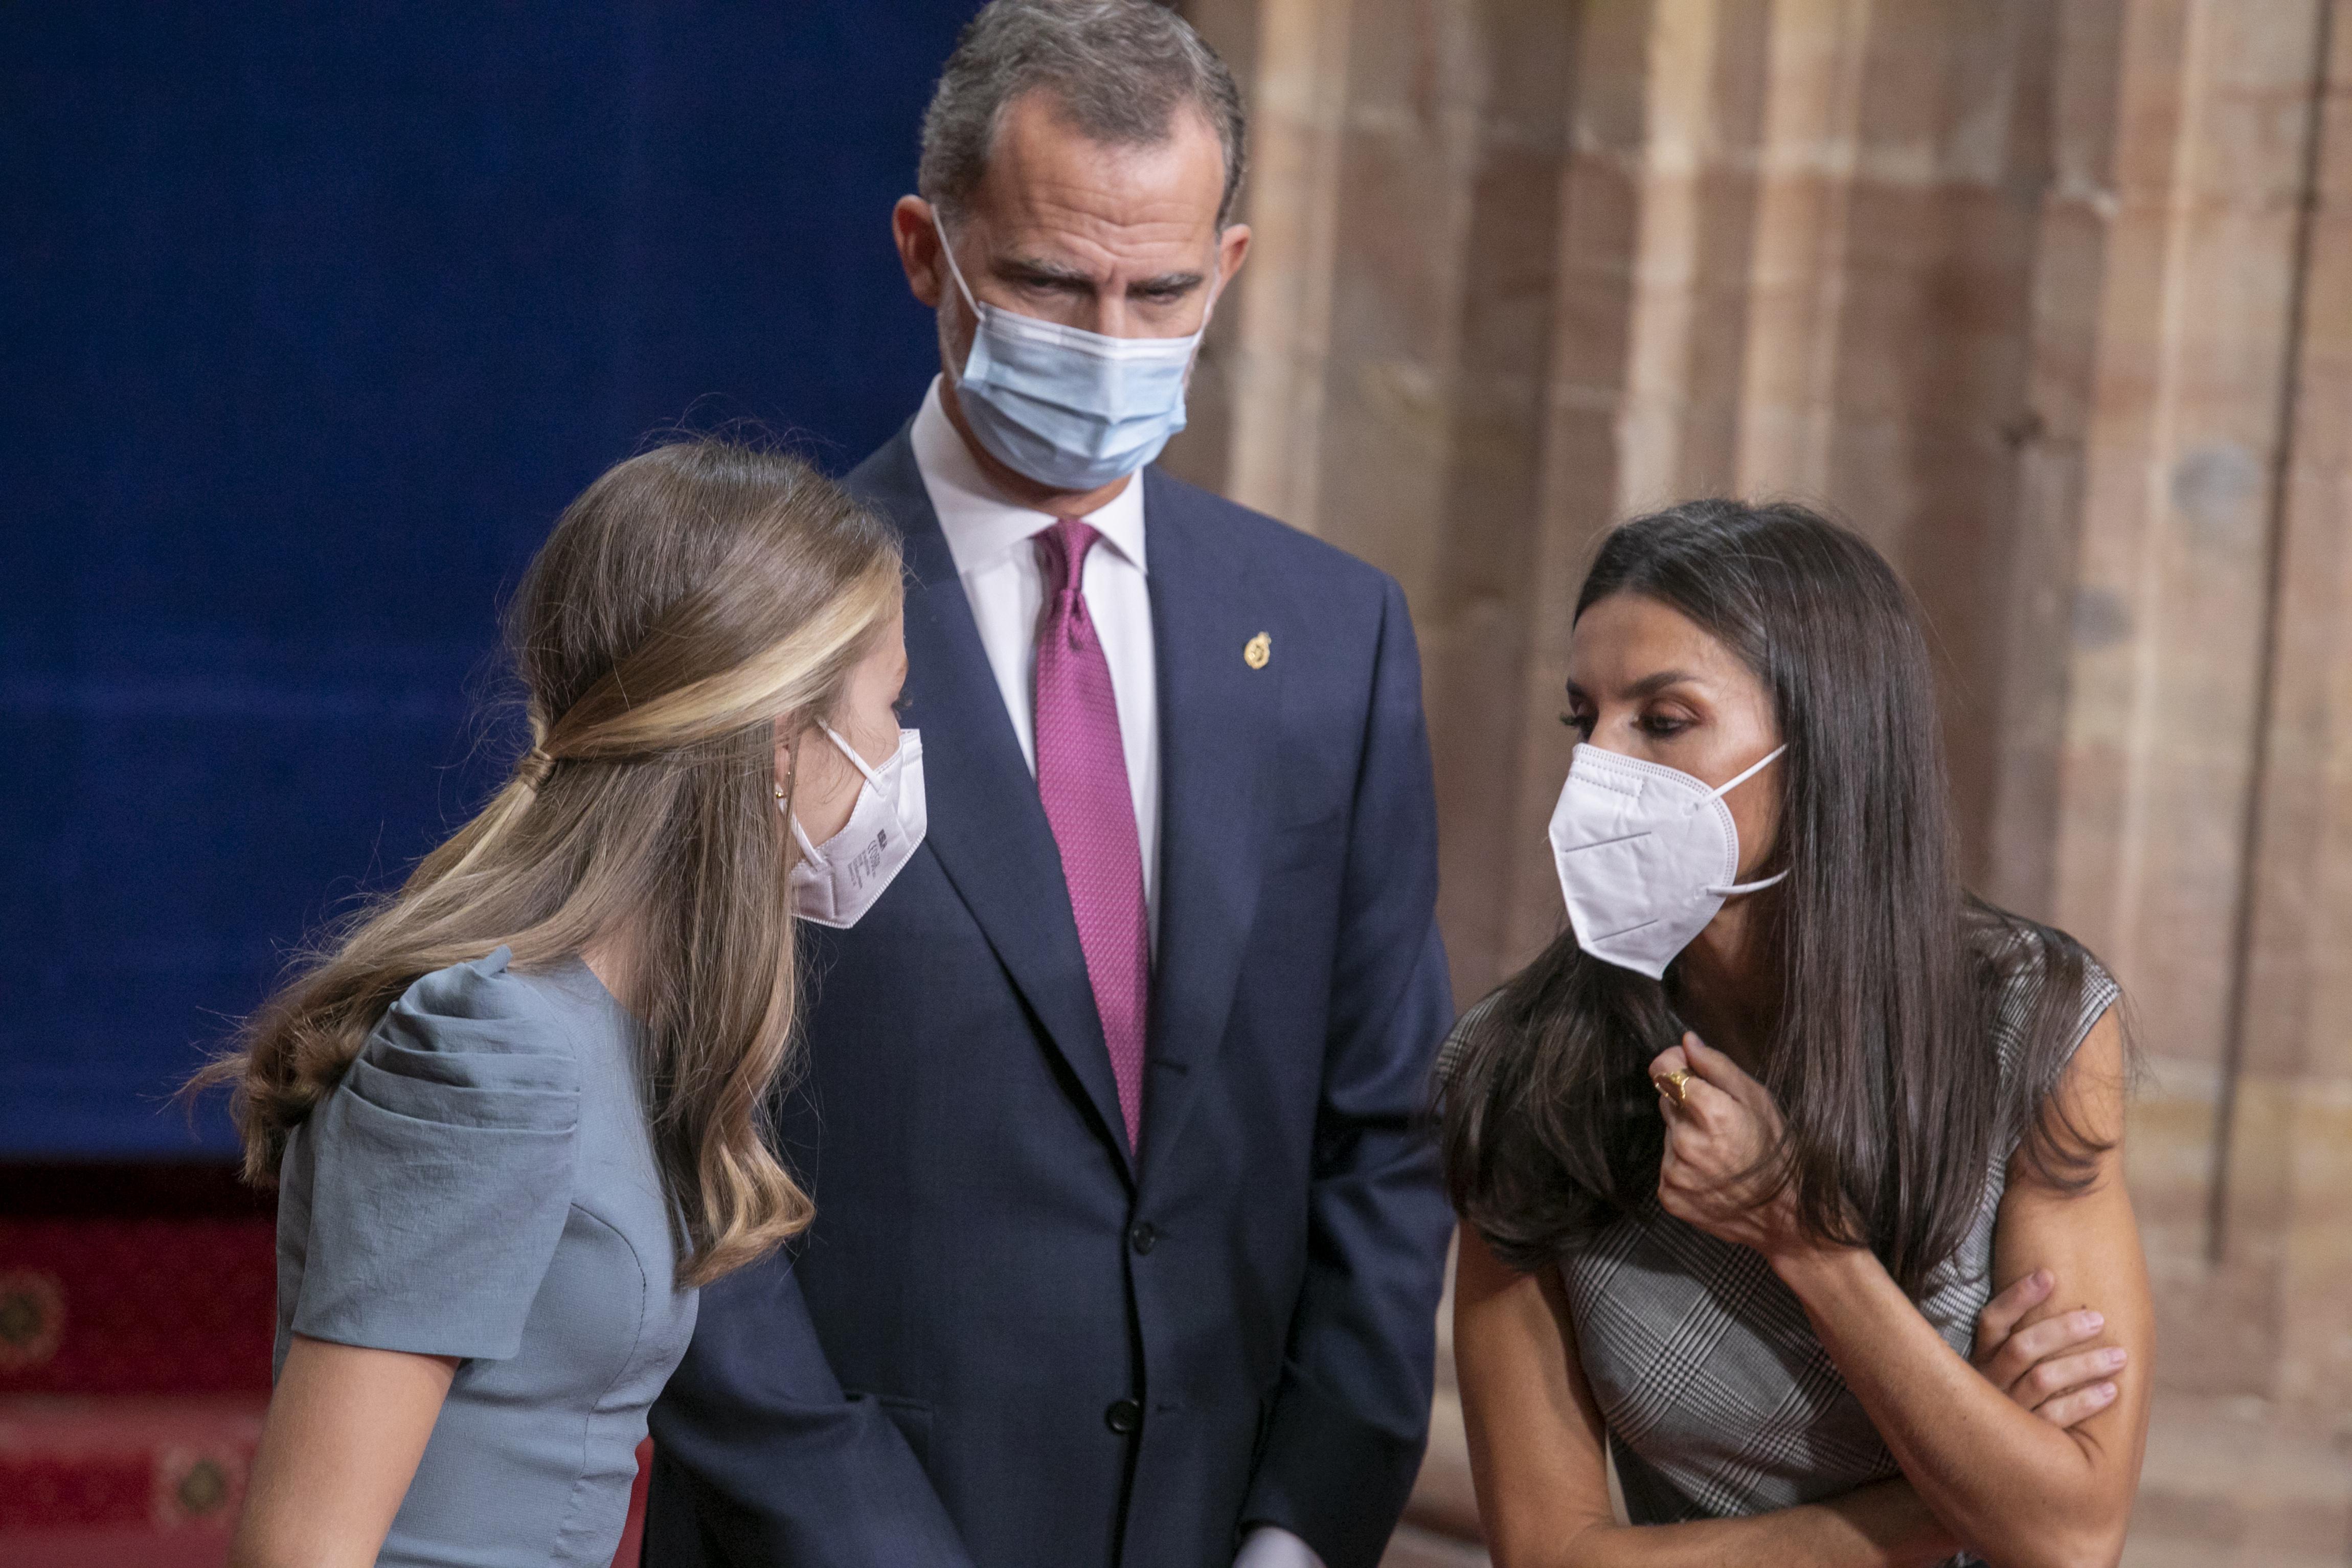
column 1129, row 1236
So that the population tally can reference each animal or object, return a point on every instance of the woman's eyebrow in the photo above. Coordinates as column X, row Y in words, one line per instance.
column 1651, row 686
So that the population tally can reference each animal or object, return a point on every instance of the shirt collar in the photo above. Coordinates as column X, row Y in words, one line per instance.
column 981, row 527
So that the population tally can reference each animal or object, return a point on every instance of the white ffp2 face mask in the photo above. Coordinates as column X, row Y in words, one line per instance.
column 1071, row 409
column 1646, row 856
column 837, row 881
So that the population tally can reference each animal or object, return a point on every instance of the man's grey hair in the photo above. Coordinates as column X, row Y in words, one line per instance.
column 1118, row 70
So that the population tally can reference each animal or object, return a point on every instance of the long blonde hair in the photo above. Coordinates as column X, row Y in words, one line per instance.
column 698, row 604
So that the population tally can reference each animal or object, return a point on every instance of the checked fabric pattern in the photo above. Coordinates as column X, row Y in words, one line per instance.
column 1082, row 779
column 1719, row 1400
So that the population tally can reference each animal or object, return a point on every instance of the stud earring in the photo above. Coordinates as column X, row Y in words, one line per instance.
column 779, row 788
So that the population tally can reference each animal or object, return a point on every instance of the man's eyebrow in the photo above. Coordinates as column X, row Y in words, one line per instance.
column 1037, row 269
column 1168, row 283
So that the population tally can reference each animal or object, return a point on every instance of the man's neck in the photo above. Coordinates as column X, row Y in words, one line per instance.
column 1019, row 489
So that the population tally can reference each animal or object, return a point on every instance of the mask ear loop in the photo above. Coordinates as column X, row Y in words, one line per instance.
column 979, row 320
column 1758, row 885
column 851, row 752
column 954, row 271
column 1208, row 314
column 808, row 851
column 784, row 804
column 1753, row 769
column 1217, row 288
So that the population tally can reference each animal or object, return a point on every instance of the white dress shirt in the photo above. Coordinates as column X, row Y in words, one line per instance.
column 989, row 538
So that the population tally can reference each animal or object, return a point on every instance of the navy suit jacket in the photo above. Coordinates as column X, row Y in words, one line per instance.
column 1007, row 1342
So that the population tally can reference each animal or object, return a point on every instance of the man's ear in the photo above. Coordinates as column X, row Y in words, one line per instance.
column 918, row 249
column 1232, row 249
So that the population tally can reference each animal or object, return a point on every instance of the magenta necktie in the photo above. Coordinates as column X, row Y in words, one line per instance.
column 1082, row 778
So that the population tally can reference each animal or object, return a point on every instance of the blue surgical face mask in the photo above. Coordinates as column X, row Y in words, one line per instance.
column 1071, row 409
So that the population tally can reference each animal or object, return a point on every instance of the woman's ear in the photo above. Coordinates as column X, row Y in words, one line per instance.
column 788, row 745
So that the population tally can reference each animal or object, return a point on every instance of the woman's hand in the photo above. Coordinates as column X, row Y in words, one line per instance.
column 2039, row 1367
column 1718, row 1171
column 1715, row 1175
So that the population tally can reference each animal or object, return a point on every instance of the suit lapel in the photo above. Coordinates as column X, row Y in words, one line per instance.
column 1216, row 716
column 988, row 828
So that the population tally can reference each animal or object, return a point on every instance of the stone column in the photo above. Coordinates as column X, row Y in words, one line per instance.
column 1389, row 369
column 2178, row 619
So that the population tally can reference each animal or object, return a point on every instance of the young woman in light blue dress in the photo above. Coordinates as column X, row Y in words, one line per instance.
column 515, row 1110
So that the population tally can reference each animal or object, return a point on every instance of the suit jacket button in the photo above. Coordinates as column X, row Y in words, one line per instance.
column 1123, row 1417
column 1141, row 1237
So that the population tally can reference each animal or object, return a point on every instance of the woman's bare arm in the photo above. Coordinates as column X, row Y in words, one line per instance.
column 345, row 1429
column 2022, row 1491
column 1536, row 1453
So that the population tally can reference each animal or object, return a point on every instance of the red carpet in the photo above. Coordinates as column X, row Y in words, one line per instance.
column 123, row 1478
column 135, row 1321
column 137, row 1306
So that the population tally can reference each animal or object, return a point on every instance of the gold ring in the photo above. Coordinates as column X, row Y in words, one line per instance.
column 1672, row 1084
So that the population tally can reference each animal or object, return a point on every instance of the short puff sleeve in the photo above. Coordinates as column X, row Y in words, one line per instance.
column 442, row 1170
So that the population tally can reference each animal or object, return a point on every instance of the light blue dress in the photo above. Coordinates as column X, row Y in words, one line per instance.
column 482, row 1185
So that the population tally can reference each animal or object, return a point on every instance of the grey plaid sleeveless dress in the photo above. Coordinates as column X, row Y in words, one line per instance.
column 1719, row 1400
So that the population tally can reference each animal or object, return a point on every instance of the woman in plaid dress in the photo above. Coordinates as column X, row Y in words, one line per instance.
column 1791, row 1180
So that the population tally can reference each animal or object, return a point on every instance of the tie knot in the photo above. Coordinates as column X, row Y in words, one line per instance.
column 1063, row 549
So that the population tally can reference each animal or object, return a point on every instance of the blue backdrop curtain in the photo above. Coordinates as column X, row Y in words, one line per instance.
column 311, row 319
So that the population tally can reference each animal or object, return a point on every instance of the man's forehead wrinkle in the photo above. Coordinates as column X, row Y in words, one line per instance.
column 1045, row 183
column 1058, row 239
column 1057, row 208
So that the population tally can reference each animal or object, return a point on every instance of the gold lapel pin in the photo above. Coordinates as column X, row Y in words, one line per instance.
column 1258, row 652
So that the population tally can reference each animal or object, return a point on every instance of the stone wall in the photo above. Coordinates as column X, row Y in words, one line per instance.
column 2051, row 298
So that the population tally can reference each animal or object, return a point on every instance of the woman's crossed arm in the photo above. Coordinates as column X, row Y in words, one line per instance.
column 1536, row 1451
column 2027, row 1492
column 2030, row 1457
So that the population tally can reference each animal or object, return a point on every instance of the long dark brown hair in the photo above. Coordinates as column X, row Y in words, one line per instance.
column 696, row 603
column 1882, row 1060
